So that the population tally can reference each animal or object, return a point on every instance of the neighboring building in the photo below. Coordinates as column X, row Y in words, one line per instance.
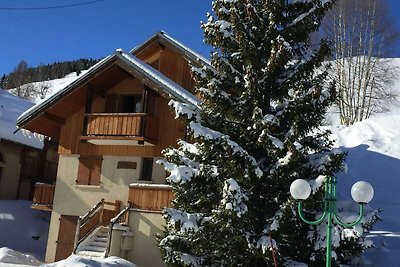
column 111, row 125
column 24, row 159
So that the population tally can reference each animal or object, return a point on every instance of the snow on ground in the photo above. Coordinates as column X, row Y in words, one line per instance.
column 373, row 148
column 78, row 261
column 9, row 257
column 20, row 226
column 12, row 258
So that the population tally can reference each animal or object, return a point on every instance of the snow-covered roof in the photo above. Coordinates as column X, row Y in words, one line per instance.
column 11, row 107
column 170, row 87
column 193, row 55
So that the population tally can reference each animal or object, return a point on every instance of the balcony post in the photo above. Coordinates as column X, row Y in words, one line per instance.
column 88, row 107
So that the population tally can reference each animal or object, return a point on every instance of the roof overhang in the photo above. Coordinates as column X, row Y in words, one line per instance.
column 162, row 39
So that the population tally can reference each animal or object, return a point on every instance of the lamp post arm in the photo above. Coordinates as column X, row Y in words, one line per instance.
column 360, row 215
column 300, row 211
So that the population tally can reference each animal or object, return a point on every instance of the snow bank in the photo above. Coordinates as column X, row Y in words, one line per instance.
column 78, row 261
column 10, row 256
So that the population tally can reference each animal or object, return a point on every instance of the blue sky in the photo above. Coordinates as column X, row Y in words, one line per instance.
column 96, row 30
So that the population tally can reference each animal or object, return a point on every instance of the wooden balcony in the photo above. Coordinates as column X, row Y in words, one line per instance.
column 43, row 197
column 120, row 128
column 152, row 197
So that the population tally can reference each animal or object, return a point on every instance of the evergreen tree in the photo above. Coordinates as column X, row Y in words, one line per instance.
column 3, row 81
column 256, row 130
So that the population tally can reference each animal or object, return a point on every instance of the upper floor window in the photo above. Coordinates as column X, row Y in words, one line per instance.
column 147, row 169
column 1, row 158
column 123, row 103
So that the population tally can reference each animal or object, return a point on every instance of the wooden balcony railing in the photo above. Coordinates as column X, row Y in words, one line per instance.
column 136, row 125
column 150, row 196
column 43, row 196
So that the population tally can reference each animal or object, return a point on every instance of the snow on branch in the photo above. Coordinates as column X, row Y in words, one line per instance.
column 179, row 174
column 205, row 133
column 266, row 244
column 233, row 198
column 185, row 221
column 182, row 109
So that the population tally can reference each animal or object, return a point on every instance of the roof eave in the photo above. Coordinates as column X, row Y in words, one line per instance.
column 37, row 109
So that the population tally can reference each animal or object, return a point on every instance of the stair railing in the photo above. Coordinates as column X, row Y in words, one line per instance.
column 95, row 217
column 121, row 218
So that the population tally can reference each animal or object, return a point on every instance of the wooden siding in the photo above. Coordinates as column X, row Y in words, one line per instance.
column 176, row 68
column 43, row 196
column 150, row 198
column 163, row 127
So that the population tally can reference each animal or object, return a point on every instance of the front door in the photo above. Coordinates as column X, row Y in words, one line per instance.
column 66, row 236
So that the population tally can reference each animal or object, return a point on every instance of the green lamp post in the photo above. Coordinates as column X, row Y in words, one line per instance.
column 362, row 192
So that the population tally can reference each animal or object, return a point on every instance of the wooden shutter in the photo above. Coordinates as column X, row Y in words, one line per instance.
column 95, row 174
column 84, row 171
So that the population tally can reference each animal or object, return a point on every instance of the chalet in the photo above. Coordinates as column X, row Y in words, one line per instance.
column 24, row 159
column 111, row 125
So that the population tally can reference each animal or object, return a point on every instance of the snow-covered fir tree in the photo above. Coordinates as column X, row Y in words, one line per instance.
column 255, row 130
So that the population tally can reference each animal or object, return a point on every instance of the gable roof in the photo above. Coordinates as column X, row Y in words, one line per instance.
column 165, row 39
column 170, row 87
column 11, row 107
column 134, row 65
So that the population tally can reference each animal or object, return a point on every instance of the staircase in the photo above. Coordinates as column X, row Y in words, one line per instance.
column 95, row 245
column 92, row 235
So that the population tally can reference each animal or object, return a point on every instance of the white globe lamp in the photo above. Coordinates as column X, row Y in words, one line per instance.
column 362, row 192
column 300, row 189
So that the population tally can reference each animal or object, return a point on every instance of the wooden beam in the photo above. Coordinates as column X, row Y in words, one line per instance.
column 54, row 118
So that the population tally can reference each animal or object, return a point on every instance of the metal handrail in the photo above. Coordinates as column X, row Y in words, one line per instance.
column 117, row 219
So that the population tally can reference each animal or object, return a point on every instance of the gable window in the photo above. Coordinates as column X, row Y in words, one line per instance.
column 89, row 170
column 147, row 169
column 123, row 103
column 130, row 104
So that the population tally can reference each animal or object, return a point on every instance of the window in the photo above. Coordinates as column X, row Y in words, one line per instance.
column 89, row 171
column 130, row 104
column 147, row 169
column 123, row 103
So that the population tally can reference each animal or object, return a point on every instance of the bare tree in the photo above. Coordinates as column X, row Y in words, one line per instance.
column 42, row 89
column 363, row 37
column 27, row 91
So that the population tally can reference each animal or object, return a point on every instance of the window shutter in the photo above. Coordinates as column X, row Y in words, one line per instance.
column 96, row 172
column 83, row 171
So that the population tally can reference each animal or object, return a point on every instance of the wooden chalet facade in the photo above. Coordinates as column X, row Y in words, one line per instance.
column 111, row 125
